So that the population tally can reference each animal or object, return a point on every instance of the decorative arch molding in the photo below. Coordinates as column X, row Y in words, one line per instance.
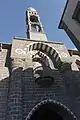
column 61, row 109
column 48, row 50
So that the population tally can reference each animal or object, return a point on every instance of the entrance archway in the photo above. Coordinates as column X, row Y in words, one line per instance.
column 50, row 109
column 45, row 113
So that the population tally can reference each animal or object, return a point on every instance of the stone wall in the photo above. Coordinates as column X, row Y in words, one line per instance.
column 4, row 79
column 19, row 92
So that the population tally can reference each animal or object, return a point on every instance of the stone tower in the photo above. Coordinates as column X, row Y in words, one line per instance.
column 34, row 27
column 39, row 80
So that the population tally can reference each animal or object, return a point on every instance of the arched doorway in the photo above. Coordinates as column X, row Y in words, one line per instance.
column 50, row 110
column 45, row 113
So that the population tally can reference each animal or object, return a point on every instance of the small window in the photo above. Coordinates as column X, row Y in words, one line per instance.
column 35, row 28
column 76, row 14
column 34, row 18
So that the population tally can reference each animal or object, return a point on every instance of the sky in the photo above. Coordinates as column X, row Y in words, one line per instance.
column 12, row 19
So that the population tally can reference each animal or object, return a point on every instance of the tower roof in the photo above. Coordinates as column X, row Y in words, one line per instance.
column 31, row 9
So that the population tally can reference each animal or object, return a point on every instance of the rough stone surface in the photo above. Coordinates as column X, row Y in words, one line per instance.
column 19, row 93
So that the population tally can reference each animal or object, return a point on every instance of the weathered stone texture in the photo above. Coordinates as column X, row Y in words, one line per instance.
column 3, row 54
column 15, row 91
column 4, row 78
column 34, row 93
column 19, row 93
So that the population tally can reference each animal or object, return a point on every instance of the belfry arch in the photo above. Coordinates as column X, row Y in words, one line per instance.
column 50, row 109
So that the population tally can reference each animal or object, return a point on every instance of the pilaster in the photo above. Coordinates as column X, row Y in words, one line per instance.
column 15, row 90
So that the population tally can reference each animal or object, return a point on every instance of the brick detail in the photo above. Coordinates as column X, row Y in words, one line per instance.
column 15, row 91
column 16, row 63
column 33, row 93
column 3, row 54
column 65, row 67
column 4, row 77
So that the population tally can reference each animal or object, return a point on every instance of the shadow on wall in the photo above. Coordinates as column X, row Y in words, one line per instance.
column 19, row 93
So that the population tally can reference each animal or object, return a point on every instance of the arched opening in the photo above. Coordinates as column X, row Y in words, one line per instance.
column 36, row 28
column 45, row 113
column 34, row 18
column 48, row 50
column 50, row 109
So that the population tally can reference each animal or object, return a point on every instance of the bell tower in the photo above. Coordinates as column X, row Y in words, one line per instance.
column 34, row 27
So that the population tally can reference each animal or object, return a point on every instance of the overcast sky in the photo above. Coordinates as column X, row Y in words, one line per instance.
column 12, row 19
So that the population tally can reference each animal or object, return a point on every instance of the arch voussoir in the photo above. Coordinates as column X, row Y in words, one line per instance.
column 68, row 113
column 48, row 50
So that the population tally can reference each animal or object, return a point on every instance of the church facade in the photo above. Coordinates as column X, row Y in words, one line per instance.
column 39, row 79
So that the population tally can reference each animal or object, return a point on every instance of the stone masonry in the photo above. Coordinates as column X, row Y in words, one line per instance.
column 38, row 73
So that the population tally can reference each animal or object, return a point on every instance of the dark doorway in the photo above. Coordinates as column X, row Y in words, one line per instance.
column 45, row 113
